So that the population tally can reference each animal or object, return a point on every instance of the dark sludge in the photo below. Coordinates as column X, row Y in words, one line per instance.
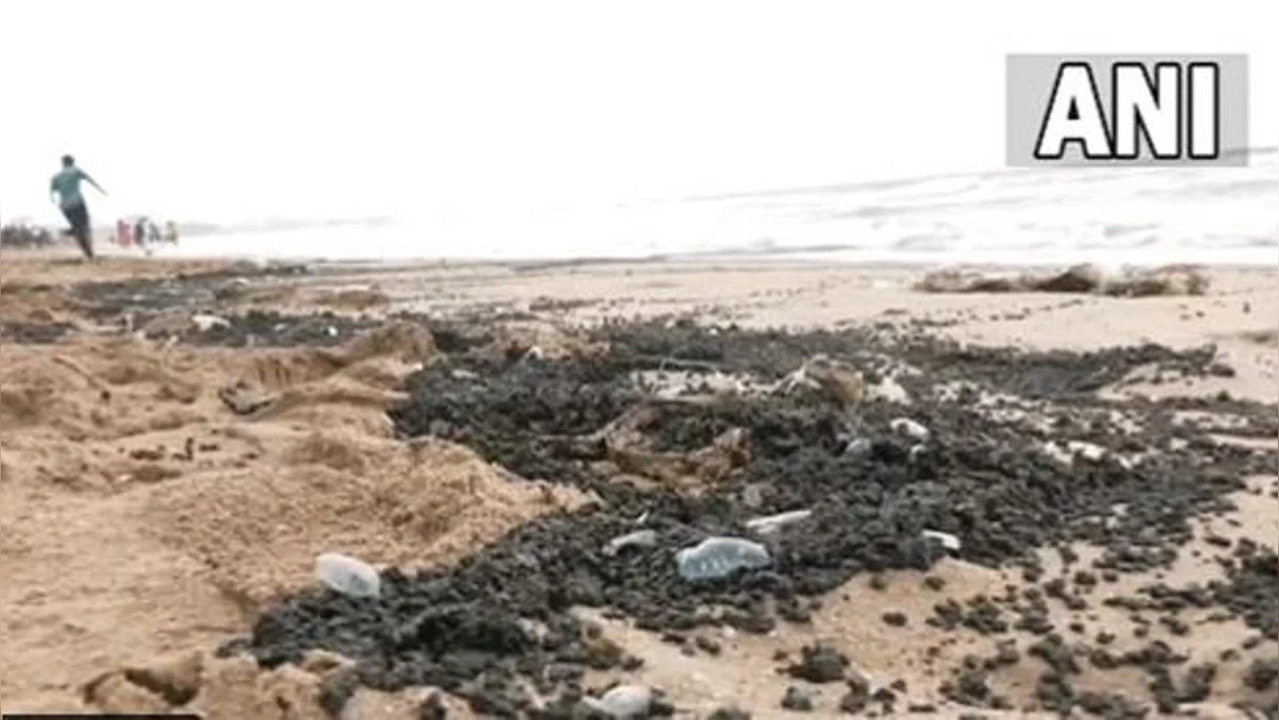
column 503, row 614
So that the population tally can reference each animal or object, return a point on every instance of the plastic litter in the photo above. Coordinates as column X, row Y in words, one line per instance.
column 948, row 541
column 859, row 447
column 773, row 523
column 1073, row 448
column 889, row 390
column 718, row 557
column 643, row 538
column 623, row 702
column 347, row 575
column 909, row 428
column 204, row 323
column 1088, row 451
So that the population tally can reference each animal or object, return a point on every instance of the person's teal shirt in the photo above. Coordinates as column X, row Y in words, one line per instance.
column 67, row 185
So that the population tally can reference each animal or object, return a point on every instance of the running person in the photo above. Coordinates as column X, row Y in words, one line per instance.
column 66, row 187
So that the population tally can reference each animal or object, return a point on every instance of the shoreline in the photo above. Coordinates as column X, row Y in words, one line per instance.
column 770, row 261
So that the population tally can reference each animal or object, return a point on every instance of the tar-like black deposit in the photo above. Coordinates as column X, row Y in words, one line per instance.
column 468, row 628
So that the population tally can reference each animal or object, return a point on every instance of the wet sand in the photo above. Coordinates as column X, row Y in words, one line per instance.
column 145, row 519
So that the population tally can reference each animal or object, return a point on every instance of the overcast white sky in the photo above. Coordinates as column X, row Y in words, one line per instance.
column 226, row 109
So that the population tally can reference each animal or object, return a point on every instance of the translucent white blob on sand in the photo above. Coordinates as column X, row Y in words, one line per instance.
column 347, row 575
column 718, row 557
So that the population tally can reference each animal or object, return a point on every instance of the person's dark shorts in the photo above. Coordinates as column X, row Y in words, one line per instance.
column 78, row 216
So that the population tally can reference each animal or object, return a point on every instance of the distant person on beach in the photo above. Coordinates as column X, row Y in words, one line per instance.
column 171, row 232
column 123, row 234
column 64, row 189
column 140, row 232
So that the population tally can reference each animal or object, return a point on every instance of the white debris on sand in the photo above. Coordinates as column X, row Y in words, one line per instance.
column 909, row 428
column 948, row 541
column 772, row 523
column 204, row 323
column 624, row 702
column 888, row 390
column 639, row 538
column 347, row 575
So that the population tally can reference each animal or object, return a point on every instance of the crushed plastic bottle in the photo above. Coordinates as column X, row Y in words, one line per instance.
column 718, row 557
column 624, row 702
column 347, row 575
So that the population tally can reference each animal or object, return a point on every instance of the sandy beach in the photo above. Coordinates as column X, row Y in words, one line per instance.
column 181, row 439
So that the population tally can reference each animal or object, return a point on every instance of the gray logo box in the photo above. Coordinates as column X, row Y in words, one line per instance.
column 1032, row 78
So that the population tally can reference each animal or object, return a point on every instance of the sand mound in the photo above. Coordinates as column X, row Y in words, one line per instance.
column 238, row 688
column 100, row 389
column 402, row 341
column 278, row 370
column 284, row 369
column 32, row 303
column 33, row 390
column 259, row 529
column 359, row 374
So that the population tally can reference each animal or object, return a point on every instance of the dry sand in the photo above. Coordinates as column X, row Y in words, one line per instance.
column 143, row 522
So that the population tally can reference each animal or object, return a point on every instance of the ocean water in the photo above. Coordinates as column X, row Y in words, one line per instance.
column 1134, row 216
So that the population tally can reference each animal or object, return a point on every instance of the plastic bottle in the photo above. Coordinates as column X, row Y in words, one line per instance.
column 718, row 557
column 347, row 575
column 624, row 702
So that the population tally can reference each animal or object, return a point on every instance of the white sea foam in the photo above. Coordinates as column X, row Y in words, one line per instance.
column 1113, row 216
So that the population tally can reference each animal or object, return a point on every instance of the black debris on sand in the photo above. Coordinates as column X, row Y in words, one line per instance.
column 819, row 664
column 272, row 329
column 113, row 299
column 34, row 333
column 129, row 305
column 503, row 613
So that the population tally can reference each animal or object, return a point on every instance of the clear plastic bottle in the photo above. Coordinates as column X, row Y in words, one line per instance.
column 624, row 702
column 717, row 557
column 347, row 575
